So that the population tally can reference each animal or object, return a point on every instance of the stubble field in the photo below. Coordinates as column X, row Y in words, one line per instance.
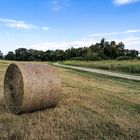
column 91, row 107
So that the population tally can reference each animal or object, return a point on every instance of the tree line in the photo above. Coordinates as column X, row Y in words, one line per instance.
column 103, row 50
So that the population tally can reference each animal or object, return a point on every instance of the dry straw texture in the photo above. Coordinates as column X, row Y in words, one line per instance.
column 91, row 107
column 29, row 87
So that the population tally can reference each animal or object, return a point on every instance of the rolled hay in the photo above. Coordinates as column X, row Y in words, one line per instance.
column 29, row 87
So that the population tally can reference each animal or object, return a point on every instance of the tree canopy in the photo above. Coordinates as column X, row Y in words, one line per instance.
column 100, row 51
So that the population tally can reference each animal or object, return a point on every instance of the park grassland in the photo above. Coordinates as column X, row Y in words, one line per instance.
column 127, row 66
column 91, row 107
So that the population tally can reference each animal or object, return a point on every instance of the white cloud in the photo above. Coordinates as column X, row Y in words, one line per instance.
column 104, row 34
column 132, row 31
column 128, row 37
column 59, row 45
column 45, row 28
column 132, row 42
column 124, row 2
column 115, row 33
column 17, row 24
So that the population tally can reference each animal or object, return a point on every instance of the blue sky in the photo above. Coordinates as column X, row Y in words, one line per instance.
column 60, row 24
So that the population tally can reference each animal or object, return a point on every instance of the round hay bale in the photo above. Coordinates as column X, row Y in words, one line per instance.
column 29, row 87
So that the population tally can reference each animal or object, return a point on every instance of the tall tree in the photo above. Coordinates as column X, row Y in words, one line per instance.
column 102, row 43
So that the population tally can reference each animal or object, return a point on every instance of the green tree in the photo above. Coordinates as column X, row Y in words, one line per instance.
column 100, row 51
column 59, row 55
column 21, row 54
column 10, row 56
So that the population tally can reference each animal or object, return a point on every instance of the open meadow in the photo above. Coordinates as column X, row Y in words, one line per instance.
column 91, row 106
column 127, row 66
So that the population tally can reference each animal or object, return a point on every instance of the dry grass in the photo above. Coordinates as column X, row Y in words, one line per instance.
column 91, row 107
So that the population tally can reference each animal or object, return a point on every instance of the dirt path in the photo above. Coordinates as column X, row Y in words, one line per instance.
column 104, row 72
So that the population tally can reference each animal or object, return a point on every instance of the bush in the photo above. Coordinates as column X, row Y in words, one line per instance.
column 124, row 58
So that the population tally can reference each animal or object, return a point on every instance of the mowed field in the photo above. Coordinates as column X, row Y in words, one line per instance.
column 91, row 107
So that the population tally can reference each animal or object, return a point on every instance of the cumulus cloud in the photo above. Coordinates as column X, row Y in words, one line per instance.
column 17, row 24
column 124, row 2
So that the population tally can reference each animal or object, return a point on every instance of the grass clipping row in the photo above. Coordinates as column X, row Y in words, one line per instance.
column 30, row 87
